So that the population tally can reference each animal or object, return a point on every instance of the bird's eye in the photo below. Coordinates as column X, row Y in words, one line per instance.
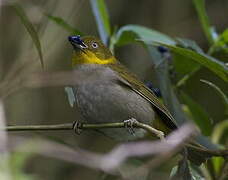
column 94, row 45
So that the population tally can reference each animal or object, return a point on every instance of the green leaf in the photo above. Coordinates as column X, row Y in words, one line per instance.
column 204, row 20
column 219, row 91
column 217, row 164
column 199, row 115
column 188, row 73
column 168, row 94
column 185, row 172
column 30, row 28
column 188, row 44
column 61, row 22
column 102, row 19
column 221, row 45
column 219, row 131
column 219, row 68
column 133, row 33
column 184, row 66
column 195, row 175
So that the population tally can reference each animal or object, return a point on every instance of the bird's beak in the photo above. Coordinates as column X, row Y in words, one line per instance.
column 77, row 42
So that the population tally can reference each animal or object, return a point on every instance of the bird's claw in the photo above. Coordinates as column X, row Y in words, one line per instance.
column 129, row 125
column 77, row 126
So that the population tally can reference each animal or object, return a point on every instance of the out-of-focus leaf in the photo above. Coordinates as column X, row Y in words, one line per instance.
column 217, row 163
column 104, row 15
column 184, row 66
column 190, row 173
column 221, row 44
column 211, row 63
column 188, row 44
column 187, row 76
column 70, row 96
column 183, row 170
column 102, row 19
column 200, row 117
column 30, row 28
column 219, row 131
column 219, row 91
column 165, row 86
column 195, row 175
column 61, row 22
column 132, row 33
column 17, row 164
column 204, row 20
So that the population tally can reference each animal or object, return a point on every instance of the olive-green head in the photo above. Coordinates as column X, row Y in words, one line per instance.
column 90, row 50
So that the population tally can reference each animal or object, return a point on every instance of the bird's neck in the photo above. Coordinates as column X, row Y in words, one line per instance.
column 90, row 58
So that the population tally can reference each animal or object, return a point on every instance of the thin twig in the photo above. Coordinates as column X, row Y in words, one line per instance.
column 69, row 126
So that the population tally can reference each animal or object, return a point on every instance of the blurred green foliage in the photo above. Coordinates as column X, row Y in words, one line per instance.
column 189, row 61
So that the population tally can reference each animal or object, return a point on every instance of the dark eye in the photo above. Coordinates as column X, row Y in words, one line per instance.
column 94, row 45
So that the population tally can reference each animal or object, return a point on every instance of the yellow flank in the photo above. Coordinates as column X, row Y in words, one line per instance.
column 89, row 57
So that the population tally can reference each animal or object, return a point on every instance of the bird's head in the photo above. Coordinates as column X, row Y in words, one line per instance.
column 90, row 50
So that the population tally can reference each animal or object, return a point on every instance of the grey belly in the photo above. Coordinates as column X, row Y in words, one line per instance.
column 106, row 103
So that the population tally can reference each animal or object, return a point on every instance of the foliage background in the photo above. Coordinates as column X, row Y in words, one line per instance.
column 176, row 18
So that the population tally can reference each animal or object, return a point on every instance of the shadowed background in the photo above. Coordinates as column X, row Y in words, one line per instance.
column 176, row 18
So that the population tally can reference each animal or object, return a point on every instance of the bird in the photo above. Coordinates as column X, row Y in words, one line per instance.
column 112, row 93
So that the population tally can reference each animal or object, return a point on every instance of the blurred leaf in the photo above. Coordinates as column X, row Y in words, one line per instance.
column 17, row 162
column 204, row 20
column 188, row 173
column 168, row 94
column 70, row 96
column 184, row 66
column 188, row 44
column 183, row 170
column 200, row 116
column 221, row 45
column 30, row 28
column 132, row 33
column 219, row 131
column 217, row 163
column 219, row 91
column 195, row 175
column 61, row 22
column 102, row 19
column 187, row 76
column 211, row 63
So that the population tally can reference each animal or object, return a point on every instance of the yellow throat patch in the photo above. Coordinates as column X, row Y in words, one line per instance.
column 90, row 58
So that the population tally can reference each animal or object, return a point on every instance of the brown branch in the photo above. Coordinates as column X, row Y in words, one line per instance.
column 69, row 126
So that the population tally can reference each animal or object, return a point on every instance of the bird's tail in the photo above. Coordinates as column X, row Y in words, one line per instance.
column 199, row 154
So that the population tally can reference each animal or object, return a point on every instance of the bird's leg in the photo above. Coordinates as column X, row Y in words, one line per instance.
column 129, row 123
column 77, row 126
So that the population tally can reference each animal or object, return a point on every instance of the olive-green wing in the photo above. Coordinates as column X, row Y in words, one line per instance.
column 131, row 80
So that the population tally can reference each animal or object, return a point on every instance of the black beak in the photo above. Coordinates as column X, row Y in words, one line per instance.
column 77, row 42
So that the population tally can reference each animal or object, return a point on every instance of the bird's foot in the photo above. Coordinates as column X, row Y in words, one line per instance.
column 77, row 126
column 129, row 123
